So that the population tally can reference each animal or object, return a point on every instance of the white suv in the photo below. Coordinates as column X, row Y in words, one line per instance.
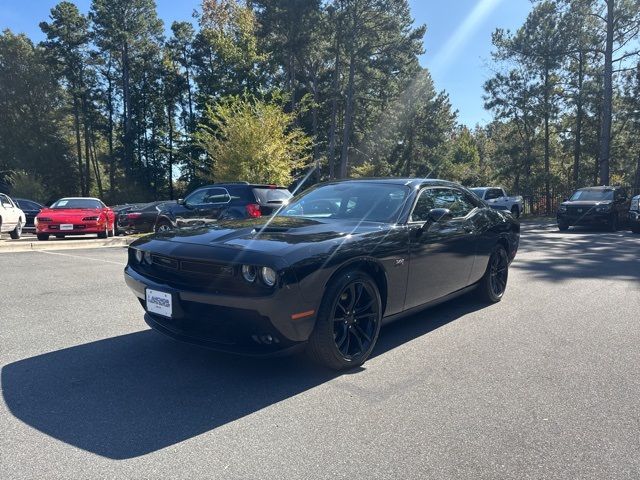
column 12, row 219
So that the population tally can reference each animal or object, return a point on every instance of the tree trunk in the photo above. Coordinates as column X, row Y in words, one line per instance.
column 126, row 100
column 547, row 160
column 331, row 155
column 607, row 98
column 76, row 124
column 112, row 160
column 348, row 118
column 170, row 115
column 577, row 147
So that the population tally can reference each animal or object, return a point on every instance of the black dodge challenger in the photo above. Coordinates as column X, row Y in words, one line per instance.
column 326, row 271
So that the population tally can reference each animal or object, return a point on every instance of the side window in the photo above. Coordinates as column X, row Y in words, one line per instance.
column 455, row 200
column 493, row 193
column 424, row 205
column 5, row 201
column 197, row 197
column 216, row 195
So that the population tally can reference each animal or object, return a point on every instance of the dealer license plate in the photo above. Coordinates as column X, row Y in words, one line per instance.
column 159, row 303
column 66, row 226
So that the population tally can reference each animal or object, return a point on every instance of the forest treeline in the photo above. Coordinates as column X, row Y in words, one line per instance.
column 115, row 104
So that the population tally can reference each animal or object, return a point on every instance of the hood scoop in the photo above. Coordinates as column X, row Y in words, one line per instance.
column 269, row 229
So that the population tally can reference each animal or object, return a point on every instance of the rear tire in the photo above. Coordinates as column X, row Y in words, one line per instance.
column 348, row 322
column 16, row 232
column 163, row 226
column 493, row 284
column 43, row 237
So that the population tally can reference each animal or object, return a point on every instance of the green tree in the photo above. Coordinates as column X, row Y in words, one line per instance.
column 253, row 140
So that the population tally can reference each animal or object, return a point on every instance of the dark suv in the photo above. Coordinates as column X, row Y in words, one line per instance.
column 594, row 206
column 223, row 201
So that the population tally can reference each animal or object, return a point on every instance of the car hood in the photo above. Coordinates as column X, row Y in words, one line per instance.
column 270, row 235
column 69, row 213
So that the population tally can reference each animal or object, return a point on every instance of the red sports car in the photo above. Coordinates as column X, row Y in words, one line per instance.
column 75, row 216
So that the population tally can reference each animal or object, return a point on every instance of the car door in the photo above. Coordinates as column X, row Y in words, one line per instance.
column 10, row 213
column 203, row 206
column 441, row 253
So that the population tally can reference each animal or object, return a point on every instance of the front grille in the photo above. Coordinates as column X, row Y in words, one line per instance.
column 198, row 276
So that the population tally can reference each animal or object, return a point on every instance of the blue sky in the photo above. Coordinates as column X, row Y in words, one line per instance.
column 457, row 44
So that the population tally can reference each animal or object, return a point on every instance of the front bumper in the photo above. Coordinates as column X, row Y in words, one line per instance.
column 237, row 324
column 78, row 228
column 587, row 219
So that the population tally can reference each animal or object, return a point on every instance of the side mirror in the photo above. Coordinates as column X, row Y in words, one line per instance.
column 181, row 201
column 440, row 215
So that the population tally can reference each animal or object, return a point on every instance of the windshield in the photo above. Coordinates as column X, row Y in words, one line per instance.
column 592, row 195
column 372, row 202
column 83, row 203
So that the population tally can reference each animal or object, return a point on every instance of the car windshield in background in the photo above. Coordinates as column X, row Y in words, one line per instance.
column 68, row 203
column 272, row 195
column 592, row 195
column 366, row 201
column 478, row 191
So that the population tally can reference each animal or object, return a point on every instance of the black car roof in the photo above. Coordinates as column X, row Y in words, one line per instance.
column 410, row 182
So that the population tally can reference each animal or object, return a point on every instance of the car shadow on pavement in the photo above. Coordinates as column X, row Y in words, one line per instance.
column 580, row 253
column 131, row 395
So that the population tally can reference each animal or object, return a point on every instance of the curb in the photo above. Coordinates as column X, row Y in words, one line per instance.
column 65, row 245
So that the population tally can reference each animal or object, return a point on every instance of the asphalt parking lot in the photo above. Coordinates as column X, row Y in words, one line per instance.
column 542, row 385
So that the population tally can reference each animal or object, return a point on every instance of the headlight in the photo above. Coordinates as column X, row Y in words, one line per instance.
column 269, row 276
column 249, row 273
column 562, row 209
column 139, row 256
column 147, row 258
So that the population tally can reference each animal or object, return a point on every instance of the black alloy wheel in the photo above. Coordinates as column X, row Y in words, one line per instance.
column 163, row 227
column 499, row 268
column 493, row 284
column 348, row 323
column 355, row 318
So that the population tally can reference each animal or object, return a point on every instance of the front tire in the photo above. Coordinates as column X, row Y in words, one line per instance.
column 112, row 232
column 105, row 234
column 515, row 210
column 635, row 228
column 493, row 284
column 16, row 232
column 60, row 236
column 348, row 322
column 563, row 227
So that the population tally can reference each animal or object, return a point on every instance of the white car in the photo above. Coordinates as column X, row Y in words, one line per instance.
column 497, row 198
column 12, row 219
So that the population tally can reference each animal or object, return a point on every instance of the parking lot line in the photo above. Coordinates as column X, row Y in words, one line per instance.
column 82, row 257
